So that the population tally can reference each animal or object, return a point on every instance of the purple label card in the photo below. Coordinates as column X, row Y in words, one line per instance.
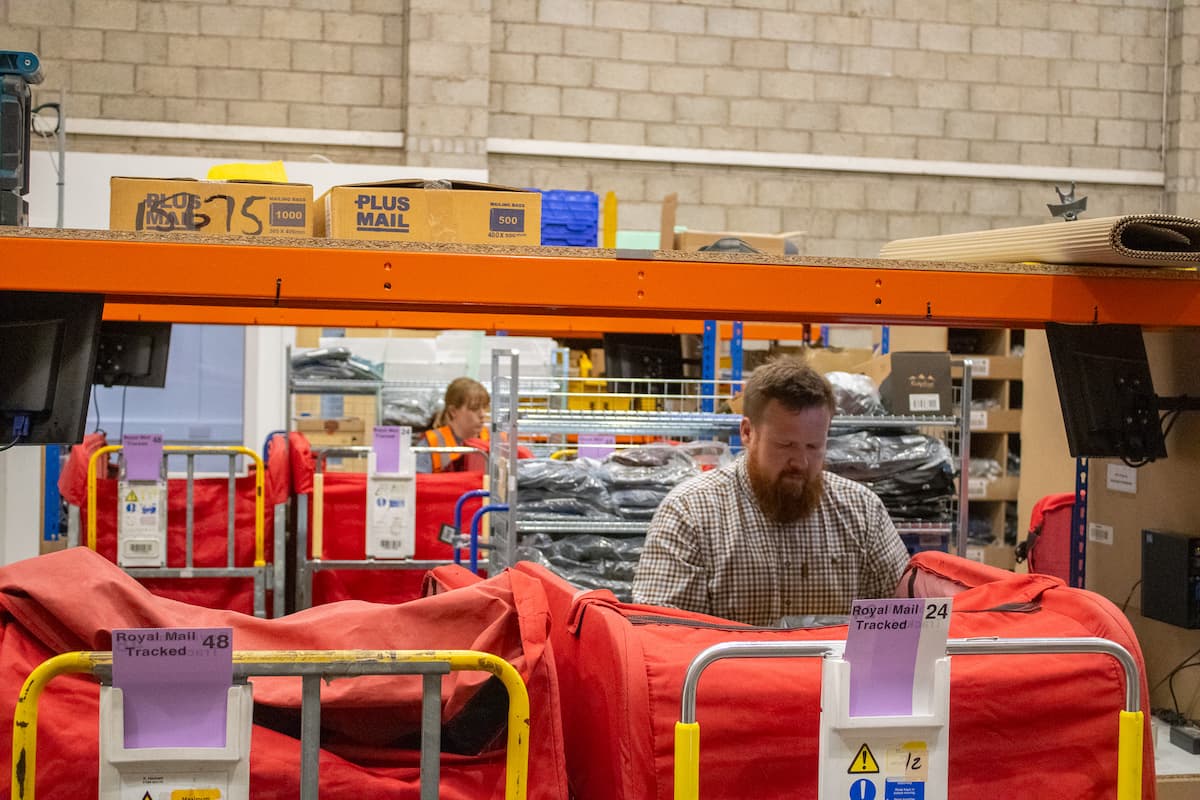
column 596, row 445
column 175, row 683
column 881, row 647
column 386, row 445
column 143, row 456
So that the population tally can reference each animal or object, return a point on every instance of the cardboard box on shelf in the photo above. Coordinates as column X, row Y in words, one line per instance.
column 997, row 555
column 1004, row 488
column 243, row 208
column 996, row 420
column 690, row 240
column 406, row 211
column 334, row 432
column 992, row 367
column 912, row 383
column 823, row 359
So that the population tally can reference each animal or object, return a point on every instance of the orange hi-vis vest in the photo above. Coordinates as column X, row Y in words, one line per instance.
column 444, row 437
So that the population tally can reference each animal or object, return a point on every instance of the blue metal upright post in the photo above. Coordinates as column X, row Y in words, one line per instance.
column 1078, row 564
column 735, row 373
column 51, row 501
column 735, row 356
column 708, row 369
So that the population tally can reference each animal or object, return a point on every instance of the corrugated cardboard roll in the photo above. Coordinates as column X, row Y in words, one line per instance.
column 1145, row 240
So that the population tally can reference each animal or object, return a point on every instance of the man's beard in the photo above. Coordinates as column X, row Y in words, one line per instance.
column 784, row 500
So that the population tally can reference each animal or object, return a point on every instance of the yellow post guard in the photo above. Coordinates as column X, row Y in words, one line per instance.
column 517, row 760
column 259, row 490
column 687, row 760
column 1129, row 756
column 318, row 515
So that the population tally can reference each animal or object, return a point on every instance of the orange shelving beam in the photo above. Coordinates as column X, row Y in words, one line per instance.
column 461, row 279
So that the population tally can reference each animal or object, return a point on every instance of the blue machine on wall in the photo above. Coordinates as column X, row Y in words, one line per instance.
column 17, row 71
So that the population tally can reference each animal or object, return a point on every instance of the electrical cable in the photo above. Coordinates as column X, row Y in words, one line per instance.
column 1174, row 415
column 1171, row 684
column 1165, row 423
column 1129, row 596
column 121, row 437
column 52, row 133
column 11, row 444
column 96, row 403
column 1177, row 668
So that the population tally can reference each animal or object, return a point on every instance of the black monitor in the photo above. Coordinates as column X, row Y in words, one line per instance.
column 1105, row 390
column 133, row 354
column 646, row 356
column 48, row 343
column 643, row 355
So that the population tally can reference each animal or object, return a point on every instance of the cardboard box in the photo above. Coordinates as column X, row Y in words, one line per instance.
column 996, row 555
column 243, row 208
column 772, row 243
column 912, row 383
column 1177, row 787
column 333, row 432
column 406, row 211
column 825, row 359
column 1008, row 368
column 996, row 420
column 330, row 425
column 1005, row 488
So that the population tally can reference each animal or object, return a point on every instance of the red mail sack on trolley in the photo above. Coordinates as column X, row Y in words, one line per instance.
column 370, row 725
column 1028, row 726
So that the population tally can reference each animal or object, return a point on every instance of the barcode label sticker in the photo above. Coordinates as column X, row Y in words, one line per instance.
column 391, row 518
column 924, row 403
column 977, row 488
column 980, row 367
column 979, row 420
column 141, row 547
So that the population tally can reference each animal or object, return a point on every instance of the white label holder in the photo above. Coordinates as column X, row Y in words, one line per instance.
column 391, row 509
column 168, row 773
column 141, row 523
column 883, row 758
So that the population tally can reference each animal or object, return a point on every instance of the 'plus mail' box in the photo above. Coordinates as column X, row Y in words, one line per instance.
column 241, row 208
column 407, row 211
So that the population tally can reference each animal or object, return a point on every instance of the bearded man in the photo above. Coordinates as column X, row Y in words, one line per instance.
column 772, row 535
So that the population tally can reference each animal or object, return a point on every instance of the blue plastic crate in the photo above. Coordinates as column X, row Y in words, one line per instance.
column 570, row 219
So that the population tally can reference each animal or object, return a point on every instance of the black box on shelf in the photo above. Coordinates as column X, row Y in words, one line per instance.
column 1171, row 577
column 913, row 383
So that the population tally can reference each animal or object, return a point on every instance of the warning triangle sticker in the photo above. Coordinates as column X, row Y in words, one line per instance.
column 864, row 762
column 131, row 498
column 147, row 796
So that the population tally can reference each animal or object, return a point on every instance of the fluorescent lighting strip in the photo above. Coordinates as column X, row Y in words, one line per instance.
column 623, row 152
column 234, row 133
column 811, row 161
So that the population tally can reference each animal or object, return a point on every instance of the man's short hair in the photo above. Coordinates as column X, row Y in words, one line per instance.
column 790, row 381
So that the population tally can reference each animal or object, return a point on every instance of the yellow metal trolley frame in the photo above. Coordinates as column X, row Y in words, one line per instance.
column 313, row 667
column 263, row 574
column 1130, row 725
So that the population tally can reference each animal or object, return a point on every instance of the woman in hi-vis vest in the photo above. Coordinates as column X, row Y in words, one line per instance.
column 462, row 417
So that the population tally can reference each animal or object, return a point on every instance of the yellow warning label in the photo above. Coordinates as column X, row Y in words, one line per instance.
column 147, row 796
column 131, row 498
column 196, row 794
column 863, row 761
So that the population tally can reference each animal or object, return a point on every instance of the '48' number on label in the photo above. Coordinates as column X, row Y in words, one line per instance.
column 219, row 641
